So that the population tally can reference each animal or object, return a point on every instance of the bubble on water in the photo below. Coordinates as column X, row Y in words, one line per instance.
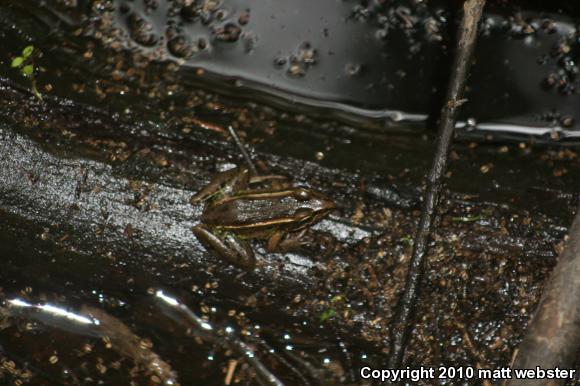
column 189, row 12
column 296, row 70
column 382, row 33
column 202, row 43
column 352, row 69
column 244, row 18
column 151, row 5
column 141, row 30
column 306, row 53
column 250, row 42
column 470, row 124
column 230, row 32
column 567, row 121
column 221, row 14
column 180, row 47
column 298, row 62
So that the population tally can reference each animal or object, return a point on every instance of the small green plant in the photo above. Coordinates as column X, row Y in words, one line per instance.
column 25, row 64
column 407, row 240
column 331, row 312
column 327, row 314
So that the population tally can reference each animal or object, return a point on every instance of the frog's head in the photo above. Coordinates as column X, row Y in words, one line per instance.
column 311, row 206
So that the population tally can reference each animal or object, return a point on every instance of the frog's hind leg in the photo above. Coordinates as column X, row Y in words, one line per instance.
column 225, row 183
column 234, row 251
column 269, row 177
column 276, row 181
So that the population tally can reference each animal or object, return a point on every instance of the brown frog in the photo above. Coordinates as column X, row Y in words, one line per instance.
column 235, row 213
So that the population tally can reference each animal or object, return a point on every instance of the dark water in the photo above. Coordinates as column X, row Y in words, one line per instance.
column 326, row 83
column 367, row 62
column 383, row 62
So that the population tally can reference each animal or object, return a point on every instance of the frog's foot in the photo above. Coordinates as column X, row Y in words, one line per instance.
column 234, row 251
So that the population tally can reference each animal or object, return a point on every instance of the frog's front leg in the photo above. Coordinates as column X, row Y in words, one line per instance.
column 235, row 251
column 282, row 242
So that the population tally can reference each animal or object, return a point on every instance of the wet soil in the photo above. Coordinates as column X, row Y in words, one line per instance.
column 96, row 178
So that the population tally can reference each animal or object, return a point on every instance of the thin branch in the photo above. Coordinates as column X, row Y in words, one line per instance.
column 403, row 319
column 553, row 336
column 243, row 150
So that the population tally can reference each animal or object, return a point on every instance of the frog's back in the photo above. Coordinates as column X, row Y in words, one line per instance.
column 249, row 213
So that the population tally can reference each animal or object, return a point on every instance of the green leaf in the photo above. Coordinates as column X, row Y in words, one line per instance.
column 27, row 51
column 327, row 314
column 17, row 61
column 27, row 70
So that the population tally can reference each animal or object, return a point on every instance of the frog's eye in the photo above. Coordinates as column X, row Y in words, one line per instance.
column 302, row 213
column 302, row 195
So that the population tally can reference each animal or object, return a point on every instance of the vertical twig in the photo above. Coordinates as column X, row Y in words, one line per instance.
column 553, row 336
column 242, row 148
column 472, row 10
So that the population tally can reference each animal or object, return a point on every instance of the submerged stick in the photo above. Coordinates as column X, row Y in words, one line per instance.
column 228, row 342
column 553, row 336
column 401, row 325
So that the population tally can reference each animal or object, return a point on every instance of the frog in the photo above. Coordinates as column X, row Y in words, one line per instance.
column 237, row 212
